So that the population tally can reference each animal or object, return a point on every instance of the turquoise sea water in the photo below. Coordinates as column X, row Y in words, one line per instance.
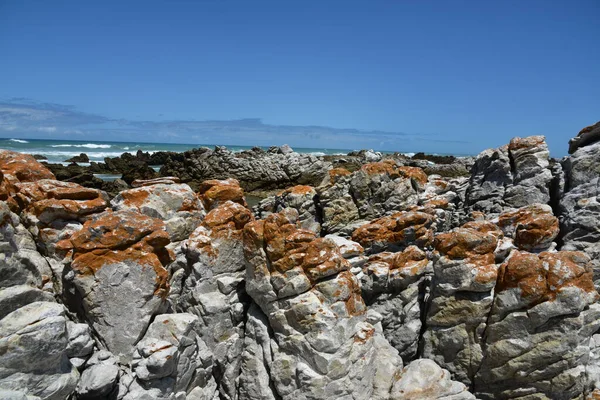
column 57, row 151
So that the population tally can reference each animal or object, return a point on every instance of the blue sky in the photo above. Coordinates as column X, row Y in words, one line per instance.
column 436, row 76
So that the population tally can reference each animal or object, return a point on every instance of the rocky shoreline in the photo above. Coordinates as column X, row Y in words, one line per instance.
column 364, row 276
column 260, row 172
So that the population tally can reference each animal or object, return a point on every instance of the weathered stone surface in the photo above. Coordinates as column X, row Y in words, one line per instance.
column 49, row 200
column 424, row 379
column 33, row 358
column 396, row 232
column 322, row 346
column 580, row 204
column 375, row 190
column 20, row 262
column 176, row 204
column 22, row 167
column 216, row 192
column 214, row 289
column 533, row 228
column 465, row 275
column 302, row 198
column 511, row 176
column 98, row 381
column 537, row 340
column 335, row 200
column 394, row 285
column 15, row 297
column 118, row 272
column 253, row 169
column 588, row 135
column 380, row 188
column 171, row 360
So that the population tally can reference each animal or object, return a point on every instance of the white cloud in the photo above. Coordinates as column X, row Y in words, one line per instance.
column 47, row 129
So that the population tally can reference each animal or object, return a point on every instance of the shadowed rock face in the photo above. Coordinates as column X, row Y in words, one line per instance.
column 512, row 176
column 579, row 205
column 488, row 283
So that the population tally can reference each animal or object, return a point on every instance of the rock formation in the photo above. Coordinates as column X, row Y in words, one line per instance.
column 392, row 279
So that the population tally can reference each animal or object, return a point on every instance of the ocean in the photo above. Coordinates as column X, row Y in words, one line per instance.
column 58, row 151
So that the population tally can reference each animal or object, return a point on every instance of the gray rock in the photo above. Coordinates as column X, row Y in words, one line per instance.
column 511, row 176
column 97, row 382
column 587, row 136
column 20, row 262
column 176, row 204
column 33, row 352
column 424, row 379
column 15, row 297
column 394, row 285
column 254, row 170
column 580, row 204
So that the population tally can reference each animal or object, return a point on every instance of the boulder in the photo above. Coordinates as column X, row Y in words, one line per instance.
column 396, row 232
column 176, row 204
column 511, row 176
column 215, row 192
column 537, row 340
column 33, row 356
column 119, row 276
column 302, row 198
column 171, row 361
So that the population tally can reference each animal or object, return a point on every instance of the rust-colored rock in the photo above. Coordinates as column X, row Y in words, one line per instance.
column 49, row 200
column 215, row 192
column 474, row 242
column 298, row 190
column 533, row 227
column 23, row 167
column 113, row 237
column 541, row 277
column 398, row 230
column 517, row 143
column 415, row 173
column 228, row 218
column 388, row 167
column 337, row 173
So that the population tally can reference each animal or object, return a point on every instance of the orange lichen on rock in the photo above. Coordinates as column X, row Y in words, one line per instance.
column 215, row 192
column 49, row 200
column 414, row 173
column 298, row 190
column 289, row 247
column 354, row 302
column 336, row 173
column 475, row 243
column 517, row 143
column 122, row 236
column 531, row 227
column 388, row 167
column 23, row 167
column 228, row 219
column 541, row 277
column 402, row 228
column 117, row 230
